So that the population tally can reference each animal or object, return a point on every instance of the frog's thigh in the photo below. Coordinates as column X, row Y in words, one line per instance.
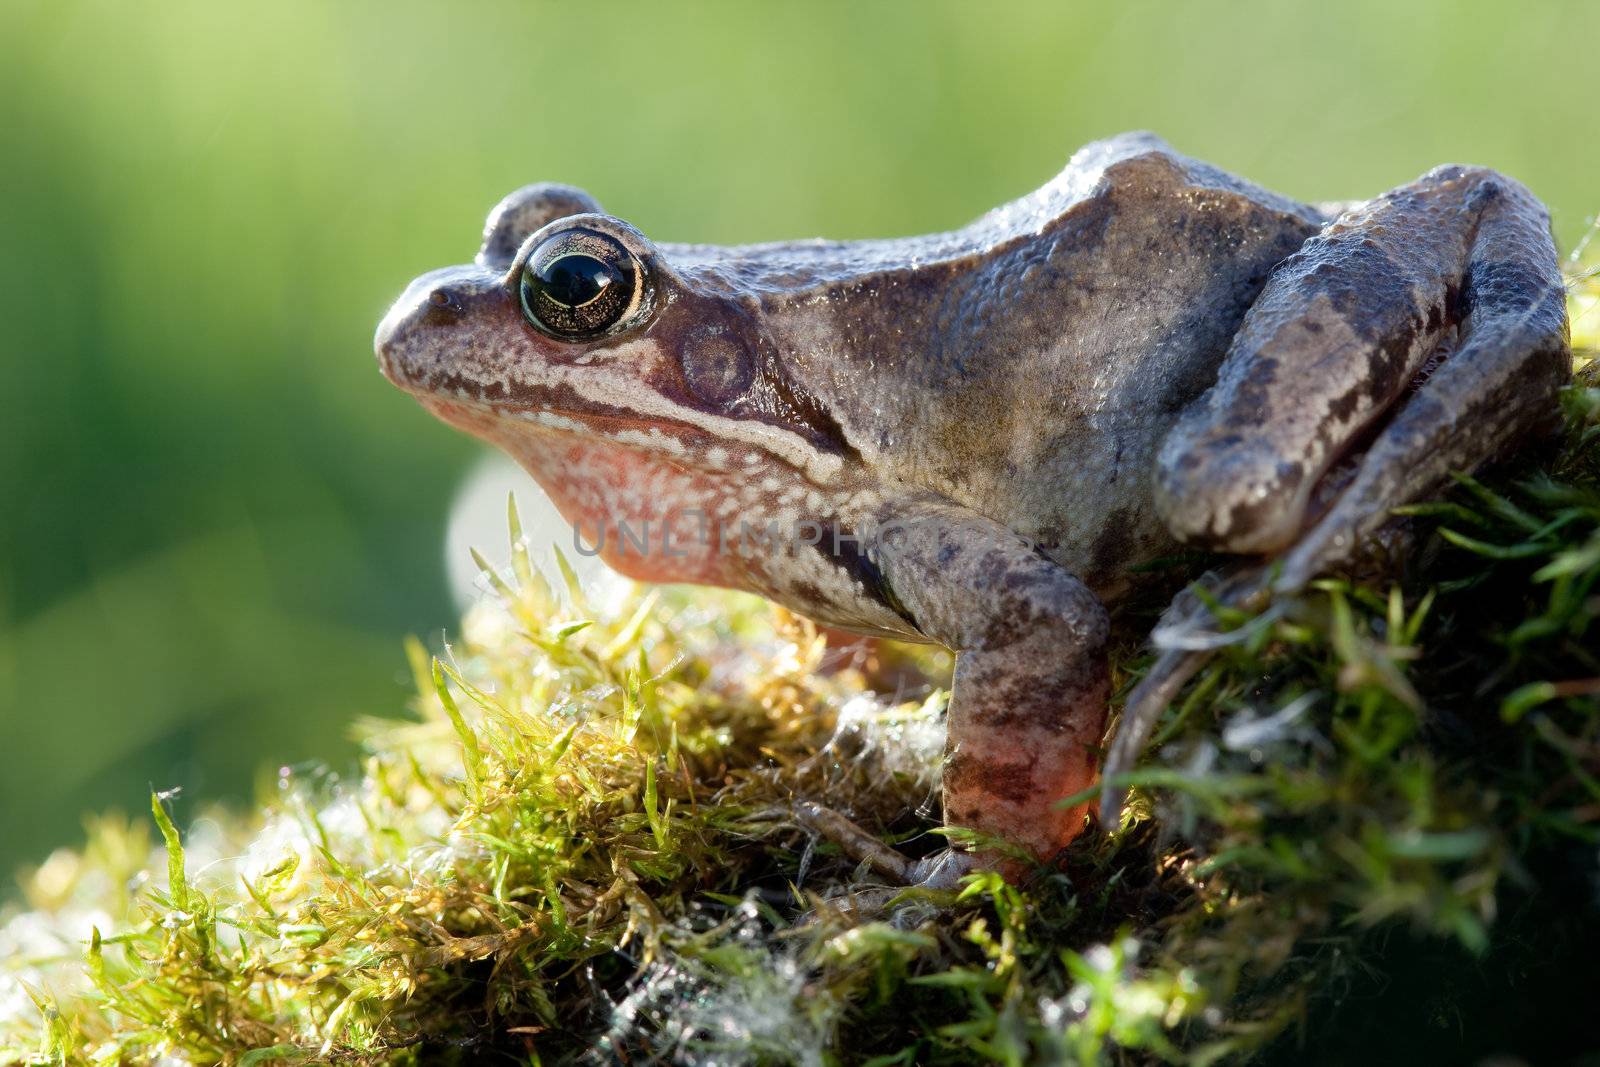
column 1459, row 263
column 1501, row 386
column 1028, row 707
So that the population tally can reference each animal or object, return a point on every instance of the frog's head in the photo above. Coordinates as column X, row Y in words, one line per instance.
column 631, row 390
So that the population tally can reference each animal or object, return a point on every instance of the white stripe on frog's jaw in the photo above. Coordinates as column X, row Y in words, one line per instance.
column 458, row 335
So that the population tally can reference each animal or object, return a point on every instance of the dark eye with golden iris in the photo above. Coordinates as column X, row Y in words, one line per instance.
column 581, row 283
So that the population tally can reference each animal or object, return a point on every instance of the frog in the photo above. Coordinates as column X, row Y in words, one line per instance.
column 978, row 437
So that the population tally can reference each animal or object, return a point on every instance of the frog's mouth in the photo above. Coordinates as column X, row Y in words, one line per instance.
column 641, row 466
column 683, row 434
column 511, row 426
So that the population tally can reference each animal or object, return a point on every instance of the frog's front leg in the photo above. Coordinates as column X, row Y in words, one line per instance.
column 1417, row 335
column 1028, row 704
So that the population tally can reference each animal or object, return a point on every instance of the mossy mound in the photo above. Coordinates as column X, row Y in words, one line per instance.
column 1370, row 827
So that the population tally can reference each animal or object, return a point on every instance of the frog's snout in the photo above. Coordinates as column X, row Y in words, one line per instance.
column 416, row 340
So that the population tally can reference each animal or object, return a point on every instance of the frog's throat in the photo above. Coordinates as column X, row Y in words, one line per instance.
column 654, row 507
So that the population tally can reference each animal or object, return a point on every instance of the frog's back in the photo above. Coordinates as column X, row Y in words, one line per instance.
column 1028, row 365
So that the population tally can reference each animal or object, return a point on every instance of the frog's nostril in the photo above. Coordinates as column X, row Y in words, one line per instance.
column 426, row 317
column 445, row 306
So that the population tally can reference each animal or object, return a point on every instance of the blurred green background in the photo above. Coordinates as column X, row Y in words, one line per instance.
column 216, row 519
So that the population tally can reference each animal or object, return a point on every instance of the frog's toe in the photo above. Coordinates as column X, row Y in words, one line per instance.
column 1186, row 637
column 1158, row 688
column 1190, row 624
column 855, row 842
column 943, row 870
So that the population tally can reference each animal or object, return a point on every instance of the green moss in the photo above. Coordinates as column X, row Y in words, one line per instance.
column 582, row 844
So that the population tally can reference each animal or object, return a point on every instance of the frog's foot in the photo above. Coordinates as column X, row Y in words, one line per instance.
column 1185, row 639
column 942, row 870
column 1418, row 335
column 855, row 842
column 945, row 869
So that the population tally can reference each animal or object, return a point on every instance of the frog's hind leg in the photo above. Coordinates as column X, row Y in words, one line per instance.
column 1471, row 401
column 1498, row 389
column 1459, row 263
column 1470, row 354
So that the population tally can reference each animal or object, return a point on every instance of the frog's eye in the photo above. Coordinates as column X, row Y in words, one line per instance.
column 581, row 283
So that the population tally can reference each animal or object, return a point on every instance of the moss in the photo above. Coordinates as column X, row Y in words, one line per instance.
column 1370, row 823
